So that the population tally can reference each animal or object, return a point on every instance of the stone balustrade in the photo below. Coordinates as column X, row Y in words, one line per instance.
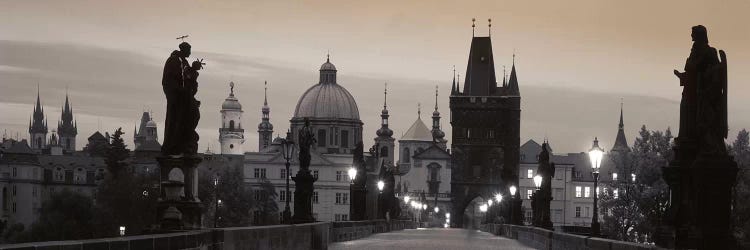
column 315, row 236
column 540, row 238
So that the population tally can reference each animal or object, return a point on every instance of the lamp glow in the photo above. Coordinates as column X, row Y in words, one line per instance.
column 448, row 215
column 489, row 202
column 538, row 181
column 595, row 155
column 483, row 208
column 424, row 206
column 437, row 209
column 352, row 173
column 406, row 199
column 498, row 197
column 122, row 230
column 381, row 185
column 513, row 190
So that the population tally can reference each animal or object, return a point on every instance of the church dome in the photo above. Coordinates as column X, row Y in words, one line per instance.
column 327, row 99
column 151, row 124
column 231, row 103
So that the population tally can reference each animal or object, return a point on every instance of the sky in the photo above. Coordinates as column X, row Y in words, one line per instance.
column 576, row 60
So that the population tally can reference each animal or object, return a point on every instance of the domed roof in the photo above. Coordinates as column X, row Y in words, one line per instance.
column 327, row 99
column 231, row 103
column 151, row 124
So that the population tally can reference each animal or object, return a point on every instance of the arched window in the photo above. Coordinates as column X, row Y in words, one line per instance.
column 407, row 156
column 231, row 124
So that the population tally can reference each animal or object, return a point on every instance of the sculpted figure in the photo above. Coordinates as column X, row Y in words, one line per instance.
column 192, row 115
column 172, row 83
column 306, row 140
column 703, row 107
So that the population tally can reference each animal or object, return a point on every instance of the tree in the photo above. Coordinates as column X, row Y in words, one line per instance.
column 266, row 206
column 117, row 154
column 740, row 149
column 236, row 197
column 121, row 200
column 636, row 213
column 65, row 216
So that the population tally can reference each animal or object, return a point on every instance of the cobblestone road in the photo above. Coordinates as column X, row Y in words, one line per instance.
column 432, row 239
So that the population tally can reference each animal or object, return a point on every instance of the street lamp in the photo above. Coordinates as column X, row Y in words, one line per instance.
column 498, row 197
column 287, row 151
column 216, row 195
column 437, row 209
column 538, row 181
column 595, row 155
column 122, row 230
column 352, row 174
column 483, row 208
column 381, row 185
column 406, row 199
column 489, row 202
column 513, row 202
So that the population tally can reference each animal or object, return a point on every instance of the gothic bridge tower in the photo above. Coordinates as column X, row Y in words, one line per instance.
column 485, row 119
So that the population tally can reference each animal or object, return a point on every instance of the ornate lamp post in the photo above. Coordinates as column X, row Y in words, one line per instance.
column 535, row 206
column 287, row 150
column 595, row 155
column 515, row 206
column 352, row 175
column 216, row 202
column 381, row 185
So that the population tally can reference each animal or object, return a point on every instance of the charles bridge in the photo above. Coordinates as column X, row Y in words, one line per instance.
column 360, row 235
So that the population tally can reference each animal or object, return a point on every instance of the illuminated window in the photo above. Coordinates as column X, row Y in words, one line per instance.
column 586, row 192
column 614, row 193
column 529, row 173
column 614, row 176
column 528, row 194
column 578, row 191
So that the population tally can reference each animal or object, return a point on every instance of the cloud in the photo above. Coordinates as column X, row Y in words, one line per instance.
column 113, row 87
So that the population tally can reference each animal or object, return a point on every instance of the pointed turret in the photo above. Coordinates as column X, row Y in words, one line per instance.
column 453, row 85
column 265, row 128
column 621, row 142
column 66, row 128
column 38, row 127
column 513, row 81
column 384, row 134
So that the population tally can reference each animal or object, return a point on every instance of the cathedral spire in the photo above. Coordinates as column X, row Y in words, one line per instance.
column 621, row 142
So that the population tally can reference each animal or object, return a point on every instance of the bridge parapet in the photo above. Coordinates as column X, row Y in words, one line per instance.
column 540, row 238
column 299, row 236
column 352, row 230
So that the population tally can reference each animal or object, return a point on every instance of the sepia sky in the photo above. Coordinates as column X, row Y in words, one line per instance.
column 575, row 59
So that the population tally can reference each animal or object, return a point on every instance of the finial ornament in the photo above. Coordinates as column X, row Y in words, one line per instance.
column 436, row 97
column 419, row 110
column 473, row 21
column 328, row 56
column 231, row 88
column 489, row 26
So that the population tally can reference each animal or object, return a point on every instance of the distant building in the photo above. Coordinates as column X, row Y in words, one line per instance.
column 573, row 184
column 231, row 133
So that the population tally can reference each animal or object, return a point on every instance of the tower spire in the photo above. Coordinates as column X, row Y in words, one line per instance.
column 436, row 97
column 453, row 85
column 265, row 93
column 621, row 142
column 621, row 125
column 385, row 96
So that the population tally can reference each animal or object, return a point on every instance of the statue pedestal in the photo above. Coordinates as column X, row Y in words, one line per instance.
column 714, row 177
column 303, row 191
column 358, row 207
column 178, row 207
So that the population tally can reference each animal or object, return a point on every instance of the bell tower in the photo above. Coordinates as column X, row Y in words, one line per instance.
column 38, row 126
column 265, row 128
column 231, row 133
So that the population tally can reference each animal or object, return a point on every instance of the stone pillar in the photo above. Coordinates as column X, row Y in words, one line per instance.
column 713, row 180
column 177, row 212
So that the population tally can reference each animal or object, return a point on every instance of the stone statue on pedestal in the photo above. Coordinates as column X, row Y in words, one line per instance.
column 304, row 180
